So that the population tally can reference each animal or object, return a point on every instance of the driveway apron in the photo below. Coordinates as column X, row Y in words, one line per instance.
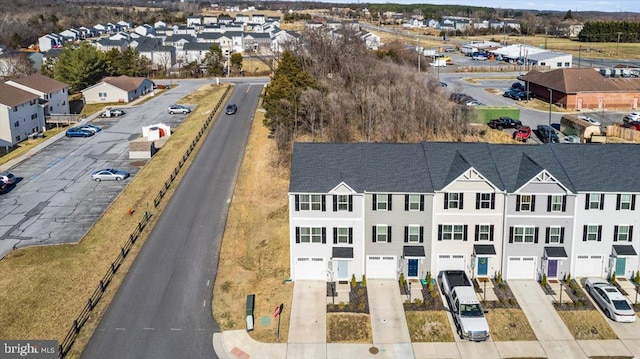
column 308, row 312
column 388, row 323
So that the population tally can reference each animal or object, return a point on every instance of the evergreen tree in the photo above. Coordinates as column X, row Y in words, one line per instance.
column 568, row 15
column 213, row 61
column 80, row 66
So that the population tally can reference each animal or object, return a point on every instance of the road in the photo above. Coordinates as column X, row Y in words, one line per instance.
column 163, row 308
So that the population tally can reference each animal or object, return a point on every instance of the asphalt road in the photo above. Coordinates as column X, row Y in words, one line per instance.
column 163, row 308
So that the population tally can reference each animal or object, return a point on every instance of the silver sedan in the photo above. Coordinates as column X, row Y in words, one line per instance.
column 109, row 174
column 613, row 303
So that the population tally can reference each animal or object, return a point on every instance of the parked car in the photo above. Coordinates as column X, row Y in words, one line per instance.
column 473, row 103
column 505, row 122
column 78, row 132
column 590, row 120
column 116, row 112
column 109, row 174
column 613, row 303
column 522, row 134
column 87, row 128
column 547, row 134
column 518, row 86
column 7, row 178
column 632, row 125
column 444, row 57
column 511, row 93
column 572, row 139
column 231, row 109
column 173, row 109
column 443, row 84
column 479, row 57
column 3, row 187
column 523, row 95
column 634, row 116
column 460, row 98
column 97, row 128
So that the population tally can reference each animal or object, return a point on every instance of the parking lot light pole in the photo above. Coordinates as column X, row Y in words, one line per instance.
column 550, row 100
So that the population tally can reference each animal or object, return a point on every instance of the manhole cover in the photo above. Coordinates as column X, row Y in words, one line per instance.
column 373, row 350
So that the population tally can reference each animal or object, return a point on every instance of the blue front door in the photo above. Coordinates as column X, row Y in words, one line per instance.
column 343, row 270
column 413, row 268
column 483, row 266
column 552, row 268
column 620, row 266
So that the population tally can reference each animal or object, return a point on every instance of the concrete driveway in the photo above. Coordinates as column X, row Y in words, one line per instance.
column 555, row 338
column 388, row 323
column 308, row 312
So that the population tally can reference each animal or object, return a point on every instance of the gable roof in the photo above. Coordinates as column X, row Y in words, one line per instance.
column 197, row 46
column 568, row 80
column 124, row 82
column 41, row 83
column 13, row 96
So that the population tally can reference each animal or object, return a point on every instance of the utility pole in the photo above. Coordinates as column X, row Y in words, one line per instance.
column 579, row 55
column 618, row 44
column 418, row 48
column 545, row 37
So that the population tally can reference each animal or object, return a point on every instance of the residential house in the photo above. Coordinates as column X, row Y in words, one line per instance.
column 106, row 44
column 254, row 27
column 49, row 41
column 70, row 35
column 280, row 39
column 224, row 19
column 209, row 19
column 117, row 89
column 370, row 39
column 121, row 35
column 554, row 60
column 221, row 39
column 161, row 56
column 144, row 30
column 20, row 115
column 159, row 25
column 87, row 32
column 433, row 23
column 194, row 51
column 254, row 41
column 53, row 94
column 386, row 210
column 184, row 30
column 480, row 24
column 242, row 18
column 123, row 25
column 194, row 21
column 178, row 41
column 258, row 18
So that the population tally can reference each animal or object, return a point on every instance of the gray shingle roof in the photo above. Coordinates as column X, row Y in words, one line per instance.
column 555, row 252
column 484, row 249
column 624, row 250
column 342, row 252
column 431, row 166
column 197, row 46
column 413, row 251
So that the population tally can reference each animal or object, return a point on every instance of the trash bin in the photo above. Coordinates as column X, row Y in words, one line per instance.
column 249, row 311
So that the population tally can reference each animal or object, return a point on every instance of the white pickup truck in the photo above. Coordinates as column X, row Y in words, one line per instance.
column 465, row 307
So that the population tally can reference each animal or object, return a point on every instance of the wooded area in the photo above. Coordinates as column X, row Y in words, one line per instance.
column 335, row 90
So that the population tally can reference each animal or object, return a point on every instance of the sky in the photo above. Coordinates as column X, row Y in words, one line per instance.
column 562, row 5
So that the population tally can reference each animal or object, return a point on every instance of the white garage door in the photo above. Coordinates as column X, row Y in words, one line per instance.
column 588, row 266
column 521, row 268
column 450, row 261
column 310, row 268
column 381, row 267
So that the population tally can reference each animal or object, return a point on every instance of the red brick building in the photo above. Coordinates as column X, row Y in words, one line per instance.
column 577, row 89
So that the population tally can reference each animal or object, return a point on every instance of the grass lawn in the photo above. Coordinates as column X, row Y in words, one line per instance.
column 348, row 328
column 24, row 146
column 43, row 289
column 587, row 325
column 429, row 326
column 509, row 324
column 254, row 258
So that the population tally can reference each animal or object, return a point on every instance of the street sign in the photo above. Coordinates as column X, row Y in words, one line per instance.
column 276, row 312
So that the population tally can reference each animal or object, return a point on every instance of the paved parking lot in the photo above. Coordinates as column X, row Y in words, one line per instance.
column 55, row 200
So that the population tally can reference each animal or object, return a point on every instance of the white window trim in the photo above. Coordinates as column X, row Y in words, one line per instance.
column 481, row 232
column 345, row 236
column 453, row 232
column 596, row 202
column 524, row 234
column 485, row 201
column 626, row 234
column 624, row 203
column 552, row 235
column 415, row 228
column 414, row 200
column 523, row 202
column 378, row 233
column 344, row 203
column 595, row 234
column 554, row 203
column 382, row 199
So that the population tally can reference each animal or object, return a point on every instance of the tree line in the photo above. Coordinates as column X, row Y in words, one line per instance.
column 336, row 90
column 610, row 31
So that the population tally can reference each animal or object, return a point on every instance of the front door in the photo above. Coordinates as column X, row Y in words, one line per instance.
column 620, row 264
column 413, row 268
column 483, row 266
column 552, row 268
column 343, row 269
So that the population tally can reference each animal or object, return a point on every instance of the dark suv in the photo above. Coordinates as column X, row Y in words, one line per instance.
column 231, row 109
column 547, row 134
column 505, row 122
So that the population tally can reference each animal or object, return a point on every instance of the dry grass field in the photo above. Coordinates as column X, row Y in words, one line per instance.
column 587, row 325
column 43, row 289
column 254, row 258
column 509, row 325
column 429, row 326
column 348, row 328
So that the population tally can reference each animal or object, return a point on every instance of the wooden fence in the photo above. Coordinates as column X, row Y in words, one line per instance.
column 628, row 134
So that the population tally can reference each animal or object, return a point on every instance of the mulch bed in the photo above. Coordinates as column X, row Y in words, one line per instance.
column 430, row 300
column 358, row 301
column 577, row 296
column 506, row 299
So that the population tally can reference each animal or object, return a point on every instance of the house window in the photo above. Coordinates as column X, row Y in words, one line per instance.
column 342, row 235
column 382, row 233
column 310, row 202
column 311, row 234
column 455, row 232
column 16, row 124
column 559, row 64
column 485, row 200
column 525, row 203
column 413, row 234
column 625, row 201
column 595, row 201
column 18, row 138
column 622, row 233
column 557, row 203
column 567, row 64
column 524, row 234
column 414, row 202
column 483, row 232
column 381, row 202
column 591, row 233
column 342, row 202
column 453, row 200
column 554, row 235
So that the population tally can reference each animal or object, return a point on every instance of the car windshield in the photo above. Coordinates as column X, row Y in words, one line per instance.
column 621, row 305
column 470, row 310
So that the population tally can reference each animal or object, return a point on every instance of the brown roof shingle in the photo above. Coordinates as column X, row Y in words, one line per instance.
column 124, row 82
column 41, row 83
column 13, row 96
column 581, row 80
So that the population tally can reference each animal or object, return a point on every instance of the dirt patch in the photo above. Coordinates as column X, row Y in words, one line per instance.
column 348, row 328
column 429, row 326
column 509, row 324
column 587, row 325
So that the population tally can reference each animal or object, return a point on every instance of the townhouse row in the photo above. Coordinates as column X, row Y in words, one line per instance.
column 382, row 210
